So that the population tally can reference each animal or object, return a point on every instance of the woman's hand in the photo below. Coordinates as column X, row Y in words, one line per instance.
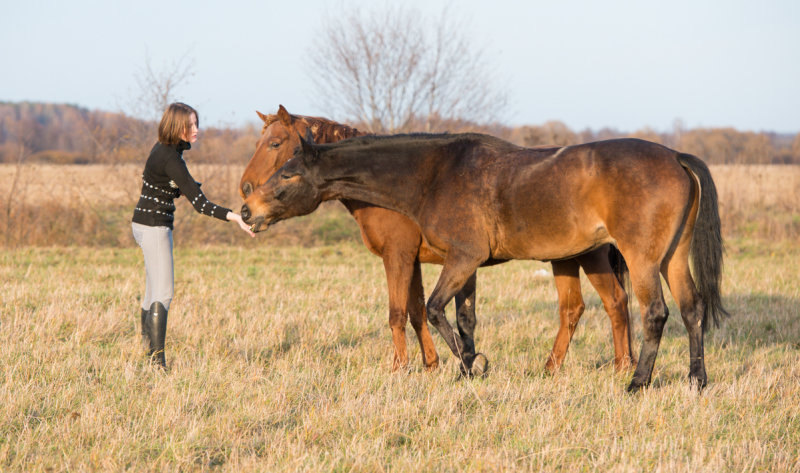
column 234, row 217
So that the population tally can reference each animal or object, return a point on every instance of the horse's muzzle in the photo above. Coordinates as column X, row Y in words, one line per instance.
column 259, row 225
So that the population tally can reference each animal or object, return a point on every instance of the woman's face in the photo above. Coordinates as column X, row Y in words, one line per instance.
column 190, row 132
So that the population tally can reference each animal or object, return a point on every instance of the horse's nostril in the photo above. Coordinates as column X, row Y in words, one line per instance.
column 247, row 189
column 245, row 212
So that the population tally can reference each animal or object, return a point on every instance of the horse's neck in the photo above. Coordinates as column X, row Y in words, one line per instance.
column 385, row 182
column 331, row 132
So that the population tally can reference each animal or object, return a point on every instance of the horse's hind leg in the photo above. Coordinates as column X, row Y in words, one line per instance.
column 647, row 287
column 570, row 309
column 691, row 306
column 419, row 319
column 681, row 285
column 615, row 301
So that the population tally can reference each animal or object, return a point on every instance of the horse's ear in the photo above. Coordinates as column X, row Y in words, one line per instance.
column 309, row 136
column 284, row 116
column 310, row 153
column 262, row 116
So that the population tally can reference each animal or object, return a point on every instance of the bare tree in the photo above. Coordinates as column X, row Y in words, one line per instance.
column 155, row 89
column 156, row 86
column 392, row 71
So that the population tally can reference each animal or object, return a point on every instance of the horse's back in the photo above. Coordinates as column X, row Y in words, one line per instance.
column 639, row 190
column 579, row 197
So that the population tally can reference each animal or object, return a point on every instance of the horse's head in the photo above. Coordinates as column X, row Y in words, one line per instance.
column 279, row 138
column 292, row 191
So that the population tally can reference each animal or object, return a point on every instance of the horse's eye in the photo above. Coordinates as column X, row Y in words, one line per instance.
column 285, row 176
column 274, row 145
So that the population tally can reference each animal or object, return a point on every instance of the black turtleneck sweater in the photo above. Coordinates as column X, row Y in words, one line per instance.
column 164, row 178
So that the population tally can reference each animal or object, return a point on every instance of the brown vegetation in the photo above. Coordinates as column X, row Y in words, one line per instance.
column 713, row 145
column 68, row 134
column 44, row 201
column 91, row 205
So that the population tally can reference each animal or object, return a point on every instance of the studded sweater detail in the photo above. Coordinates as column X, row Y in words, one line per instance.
column 164, row 179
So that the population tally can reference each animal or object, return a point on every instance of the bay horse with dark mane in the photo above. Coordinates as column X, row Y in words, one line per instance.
column 398, row 241
column 477, row 198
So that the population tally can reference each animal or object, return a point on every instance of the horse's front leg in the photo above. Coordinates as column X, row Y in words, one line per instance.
column 466, row 321
column 457, row 270
column 399, row 268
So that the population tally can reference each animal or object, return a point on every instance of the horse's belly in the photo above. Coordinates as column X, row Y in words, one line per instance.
column 551, row 244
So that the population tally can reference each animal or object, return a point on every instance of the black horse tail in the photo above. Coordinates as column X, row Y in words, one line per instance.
column 619, row 266
column 707, row 248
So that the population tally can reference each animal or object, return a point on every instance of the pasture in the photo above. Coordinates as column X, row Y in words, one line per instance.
column 279, row 353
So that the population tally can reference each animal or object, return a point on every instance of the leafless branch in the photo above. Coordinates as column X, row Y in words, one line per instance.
column 391, row 71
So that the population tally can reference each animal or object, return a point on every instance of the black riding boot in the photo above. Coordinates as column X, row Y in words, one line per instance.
column 155, row 326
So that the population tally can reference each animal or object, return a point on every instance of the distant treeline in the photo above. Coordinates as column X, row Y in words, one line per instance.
column 69, row 134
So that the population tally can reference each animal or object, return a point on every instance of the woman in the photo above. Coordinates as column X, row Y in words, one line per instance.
column 164, row 179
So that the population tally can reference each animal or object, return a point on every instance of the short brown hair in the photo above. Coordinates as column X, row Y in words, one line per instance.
column 176, row 120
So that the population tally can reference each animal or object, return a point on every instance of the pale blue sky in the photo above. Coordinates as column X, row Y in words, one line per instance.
column 590, row 64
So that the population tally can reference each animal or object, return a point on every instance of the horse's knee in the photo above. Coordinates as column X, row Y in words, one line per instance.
column 397, row 318
column 433, row 314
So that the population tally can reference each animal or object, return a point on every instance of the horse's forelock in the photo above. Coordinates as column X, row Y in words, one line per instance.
column 268, row 120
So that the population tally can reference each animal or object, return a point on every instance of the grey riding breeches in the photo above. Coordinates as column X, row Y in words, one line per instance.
column 156, row 244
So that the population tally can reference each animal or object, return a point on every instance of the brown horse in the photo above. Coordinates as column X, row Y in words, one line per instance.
column 398, row 241
column 477, row 198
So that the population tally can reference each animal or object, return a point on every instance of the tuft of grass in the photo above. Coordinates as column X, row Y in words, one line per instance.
column 280, row 361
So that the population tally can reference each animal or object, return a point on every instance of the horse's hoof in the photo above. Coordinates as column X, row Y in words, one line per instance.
column 634, row 387
column 480, row 366
column 698, row 382
column 432, row 366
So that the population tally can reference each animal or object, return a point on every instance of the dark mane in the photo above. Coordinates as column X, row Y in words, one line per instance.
column 325, row 130
column 487, row 141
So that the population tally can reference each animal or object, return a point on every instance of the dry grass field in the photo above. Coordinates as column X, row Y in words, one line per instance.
column 279, row 353
column 279, row 361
